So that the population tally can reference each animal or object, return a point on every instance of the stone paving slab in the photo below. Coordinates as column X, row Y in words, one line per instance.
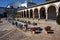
column 20, row 35
column 15, row 35
column 4, row 32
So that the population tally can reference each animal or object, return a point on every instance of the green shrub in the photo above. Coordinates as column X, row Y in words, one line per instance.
column 58, row 19
column 17, row 15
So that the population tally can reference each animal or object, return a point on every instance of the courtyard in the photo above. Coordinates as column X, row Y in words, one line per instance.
column 11, row 32
column 29, row 20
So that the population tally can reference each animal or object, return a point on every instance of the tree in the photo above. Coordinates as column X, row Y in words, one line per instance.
column 17, row 15
column 58, row 19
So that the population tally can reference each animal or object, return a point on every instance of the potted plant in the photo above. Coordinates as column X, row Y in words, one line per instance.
column 33, row 30
column 26, row 25
column 49, row 30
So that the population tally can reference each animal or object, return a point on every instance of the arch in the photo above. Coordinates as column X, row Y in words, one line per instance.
column 42, row 13
column 52, row 5
column 27, row 14
column 24, row 14
column 31, row 13
column 36, row 13
column 51, row 12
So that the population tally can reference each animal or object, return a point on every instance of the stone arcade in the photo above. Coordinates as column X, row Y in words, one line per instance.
column 47, row 11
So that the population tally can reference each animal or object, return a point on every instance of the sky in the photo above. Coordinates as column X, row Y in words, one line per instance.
column 4, row 3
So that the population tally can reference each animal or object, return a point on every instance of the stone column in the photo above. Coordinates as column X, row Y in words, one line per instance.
column 26, row 13
column 46, row 15
column 39, row 13
column 20, row 15
column 57, row 11
column 29, row 13
column 23, row 14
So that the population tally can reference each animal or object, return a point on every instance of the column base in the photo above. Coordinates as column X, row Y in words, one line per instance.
column 46, row 20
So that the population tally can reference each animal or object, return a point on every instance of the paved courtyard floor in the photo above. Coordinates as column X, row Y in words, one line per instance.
column 10, row 32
